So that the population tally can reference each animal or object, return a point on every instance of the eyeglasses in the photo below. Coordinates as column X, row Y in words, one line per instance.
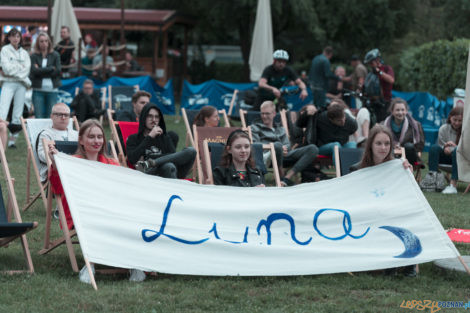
column 153, row 117
column 62, row 115
column 266, row 113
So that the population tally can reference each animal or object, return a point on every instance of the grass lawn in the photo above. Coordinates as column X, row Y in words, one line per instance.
column 55, row 288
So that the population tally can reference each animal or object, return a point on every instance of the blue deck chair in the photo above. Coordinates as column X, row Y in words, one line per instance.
column 345, row 158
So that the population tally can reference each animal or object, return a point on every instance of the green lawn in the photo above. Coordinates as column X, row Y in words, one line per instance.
column 55, row 288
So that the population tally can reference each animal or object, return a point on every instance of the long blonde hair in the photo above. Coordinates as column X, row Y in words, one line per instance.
column 36, row 44
column 87, row 125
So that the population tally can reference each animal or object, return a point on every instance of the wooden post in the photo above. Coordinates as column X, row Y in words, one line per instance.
column 155, row 52
column 122, row 38
column 49, row 17
column 104, row 54
column 165, row 55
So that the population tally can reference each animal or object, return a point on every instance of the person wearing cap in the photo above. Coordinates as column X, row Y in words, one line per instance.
column 275, row 76
column 359, row 74
column 386, row 77
column 320, row 75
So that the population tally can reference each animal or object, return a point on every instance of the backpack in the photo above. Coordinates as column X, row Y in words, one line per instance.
column 372, row 85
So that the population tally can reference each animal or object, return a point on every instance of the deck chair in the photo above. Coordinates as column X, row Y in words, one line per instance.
column 213, row 154
column 68, row 147
column 248, row 117
column 211, row 134
column 103, row 98
column 120, row 97
column 31, row 130
column 188, row 118
column 10, row 231
column 126, row 129
column 345, row 158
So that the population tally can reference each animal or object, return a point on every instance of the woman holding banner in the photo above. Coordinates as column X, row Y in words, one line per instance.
column 91, row 146
column 377, row 151
column 237, row 166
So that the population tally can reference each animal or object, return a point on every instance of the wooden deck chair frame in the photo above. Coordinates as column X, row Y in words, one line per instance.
column 210, row 177
column 121, row 155
column 103, row 97
column 67, row 234
column 30, row 159
column 110, row 95
column 12, row 204
column 200, row 154
column 232, row 102
column 338, row 161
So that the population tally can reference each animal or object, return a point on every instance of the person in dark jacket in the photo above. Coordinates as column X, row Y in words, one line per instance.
column 45, row 76
column 86, row 104
column 152, row 151
column 333, row 128
column 237, row 167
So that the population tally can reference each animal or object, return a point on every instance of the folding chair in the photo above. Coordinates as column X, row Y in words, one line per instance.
column 188, row 118
column 212, row 134
column 127, row 129
column 31, row 130
column 68, row 147
column 345, row 158
column 120, row 97
column 213, row 154
column 103, row 98
column 248, row 117
column 10, row 231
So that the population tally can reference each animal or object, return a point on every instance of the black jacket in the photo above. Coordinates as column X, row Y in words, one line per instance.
column 52, row 70
column 328, row 132
column 228, row 176
column 86, row 106
column 138, row 143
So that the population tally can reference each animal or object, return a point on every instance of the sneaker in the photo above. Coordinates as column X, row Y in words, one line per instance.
column 56, row 214
column 450, row 190
column 11, row 144
column 136, row 275
column 84, row 276
column 409, row 271
column 286, row 182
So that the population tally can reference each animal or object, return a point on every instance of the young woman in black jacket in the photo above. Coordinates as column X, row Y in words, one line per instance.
column 237, row 167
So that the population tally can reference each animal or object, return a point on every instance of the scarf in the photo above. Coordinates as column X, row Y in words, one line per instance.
column 409, row 121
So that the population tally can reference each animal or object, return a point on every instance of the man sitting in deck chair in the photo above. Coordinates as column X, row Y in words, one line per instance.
column 152, row 151
column 266, row 131
column 87, row 103
column 59, row 131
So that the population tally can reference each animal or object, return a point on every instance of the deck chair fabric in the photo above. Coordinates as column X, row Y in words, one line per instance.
column 10, row 231
column 120, row 131
column 345, row 158
column 120, row 97
column 249, row 117
column 127, row 129
column 32, row 129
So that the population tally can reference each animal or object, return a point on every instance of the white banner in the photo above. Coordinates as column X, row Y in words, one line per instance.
column 371, row 219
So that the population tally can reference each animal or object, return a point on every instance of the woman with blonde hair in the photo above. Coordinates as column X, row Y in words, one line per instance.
column 91, row 146
column 45, row 76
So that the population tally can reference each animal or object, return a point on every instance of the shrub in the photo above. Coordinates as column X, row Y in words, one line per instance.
column 437, row 67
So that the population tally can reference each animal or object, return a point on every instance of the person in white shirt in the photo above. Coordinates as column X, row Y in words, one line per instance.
column 58, row 132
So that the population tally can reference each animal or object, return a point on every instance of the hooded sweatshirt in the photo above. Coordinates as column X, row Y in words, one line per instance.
column 138, row 143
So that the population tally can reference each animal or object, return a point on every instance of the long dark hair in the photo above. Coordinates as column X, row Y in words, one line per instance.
column 368, row 157
column 206, row 111
column 87, row 125
column 227, row 157
column 13, row 32
column 456, row 111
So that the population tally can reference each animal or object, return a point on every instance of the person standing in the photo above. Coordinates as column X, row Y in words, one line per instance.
column 45, row 76
column 320, row 75
column 379, row 83
column 15, row 64
column 65, row 48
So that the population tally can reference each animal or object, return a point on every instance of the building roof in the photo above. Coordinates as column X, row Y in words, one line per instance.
column 98, row 18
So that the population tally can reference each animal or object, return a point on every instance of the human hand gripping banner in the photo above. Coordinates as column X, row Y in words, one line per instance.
column 371, row 219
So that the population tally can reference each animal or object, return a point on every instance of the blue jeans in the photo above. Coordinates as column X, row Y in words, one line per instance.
column 43, row 102
column 329, row 148
column 437, row 155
